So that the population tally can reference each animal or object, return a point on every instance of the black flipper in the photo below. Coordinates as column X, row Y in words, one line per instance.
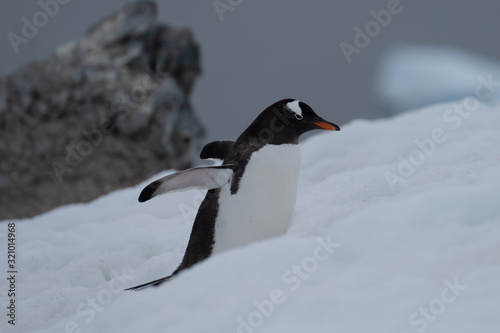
column 205, row 178
column 217, row 150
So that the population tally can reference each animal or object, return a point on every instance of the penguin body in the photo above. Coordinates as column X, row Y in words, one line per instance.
column 264, row 202
column 251, row 196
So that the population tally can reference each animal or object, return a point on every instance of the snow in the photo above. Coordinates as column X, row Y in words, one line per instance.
column 412, row 76
column 360, row 255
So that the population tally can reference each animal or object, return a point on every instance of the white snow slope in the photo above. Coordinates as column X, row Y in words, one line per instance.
column 418, row 253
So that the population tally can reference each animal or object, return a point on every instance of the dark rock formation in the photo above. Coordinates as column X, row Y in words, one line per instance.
column 104, row 112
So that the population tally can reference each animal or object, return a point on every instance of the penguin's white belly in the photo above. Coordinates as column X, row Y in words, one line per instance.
column 265, row 200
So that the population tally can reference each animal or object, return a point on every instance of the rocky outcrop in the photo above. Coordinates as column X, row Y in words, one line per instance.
column 105, row 111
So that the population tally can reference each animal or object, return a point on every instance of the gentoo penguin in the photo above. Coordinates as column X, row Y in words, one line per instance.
column 251, row 196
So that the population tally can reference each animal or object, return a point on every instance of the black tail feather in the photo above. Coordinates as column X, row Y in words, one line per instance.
column 155, row 283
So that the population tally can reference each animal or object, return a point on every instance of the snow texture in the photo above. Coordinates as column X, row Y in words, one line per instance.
column 366, row 251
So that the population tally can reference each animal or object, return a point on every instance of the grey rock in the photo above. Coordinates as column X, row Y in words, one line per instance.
column 104, row 112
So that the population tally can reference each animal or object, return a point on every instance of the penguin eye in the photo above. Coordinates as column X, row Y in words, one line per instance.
column 298, row 116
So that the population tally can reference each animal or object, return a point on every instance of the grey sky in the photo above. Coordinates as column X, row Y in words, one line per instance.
column 267, row 50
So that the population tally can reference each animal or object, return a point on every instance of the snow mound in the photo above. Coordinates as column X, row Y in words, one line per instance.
column 412, row 76
column 396, row 229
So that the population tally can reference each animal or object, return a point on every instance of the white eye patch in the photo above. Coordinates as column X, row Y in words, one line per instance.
column 295, row 108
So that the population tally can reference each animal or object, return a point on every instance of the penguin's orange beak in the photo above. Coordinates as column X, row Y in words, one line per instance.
column 327, row 126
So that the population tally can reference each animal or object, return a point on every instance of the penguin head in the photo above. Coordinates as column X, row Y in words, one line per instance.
column 302, row 118
column 286, row 120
